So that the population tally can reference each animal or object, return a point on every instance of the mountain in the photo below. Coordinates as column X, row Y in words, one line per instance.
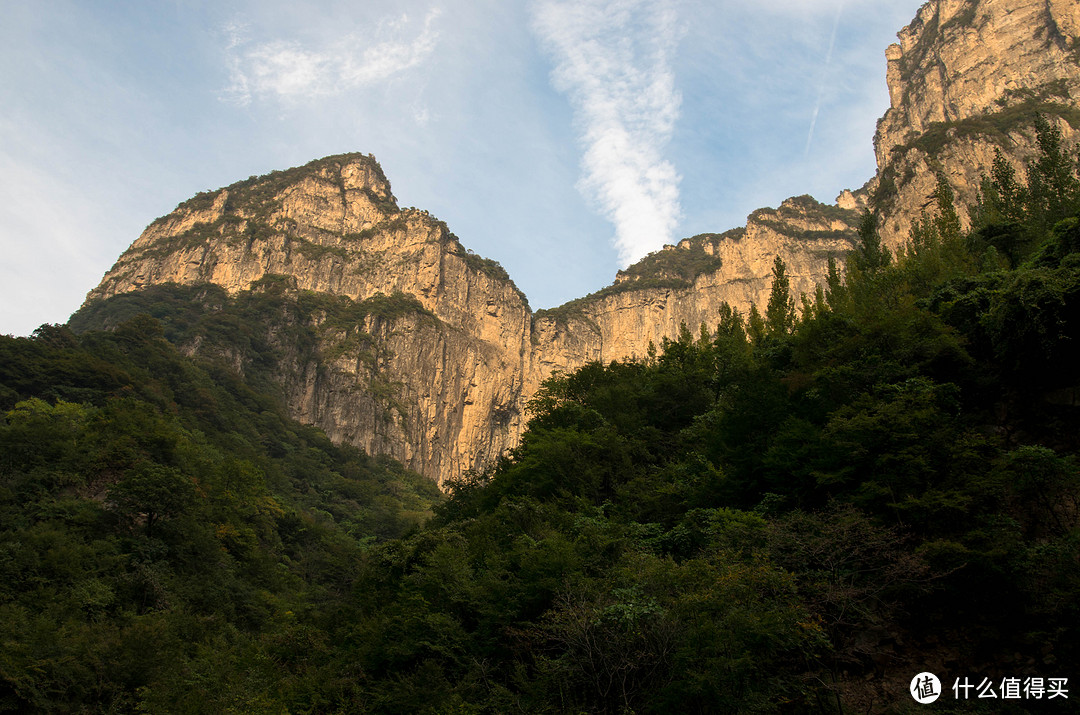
column 379, row 327
column 423, row 350
column 965, row 80
column 850, row 510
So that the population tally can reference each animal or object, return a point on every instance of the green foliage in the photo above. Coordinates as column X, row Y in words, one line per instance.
column 916, row 56
column 317, row 251
column 869, row 256
column 765, row 515
column 808, row 204
column 253, row 328
column 691, row 258
column 576, row 308
column 996, row 126
column 151, row 492
column 1053, row 190
column 796, row 210
column 897, row 465
column 392, row 225
column 489, row 267
column 250, row 204
column 1000, row 210
column 1024, row 111
column 260, row 191
column 164, row 539
column 780, row 310
column 886, row 192
column 1014, row 217
column 670, row 269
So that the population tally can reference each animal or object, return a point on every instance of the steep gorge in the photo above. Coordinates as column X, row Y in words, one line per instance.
column 435, row 352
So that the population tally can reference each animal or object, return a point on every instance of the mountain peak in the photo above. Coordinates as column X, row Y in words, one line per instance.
column 440, row 381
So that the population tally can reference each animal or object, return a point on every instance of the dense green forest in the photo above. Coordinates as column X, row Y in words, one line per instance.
column 795, row 510
column 169, row 540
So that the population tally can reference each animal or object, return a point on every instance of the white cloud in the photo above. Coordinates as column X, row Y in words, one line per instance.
column 613, row 59
column 289, row 70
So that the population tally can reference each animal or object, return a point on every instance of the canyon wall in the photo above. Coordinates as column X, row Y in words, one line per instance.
column 442, row 387
column 441, row 382
column 965, row 81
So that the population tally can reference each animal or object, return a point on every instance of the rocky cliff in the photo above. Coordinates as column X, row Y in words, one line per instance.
column 440, row 381
column 687, row 283
column 437, row 385
column 965, row 80
column 428, row 353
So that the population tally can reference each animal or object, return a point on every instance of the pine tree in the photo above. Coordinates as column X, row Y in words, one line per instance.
column 1002, row 197
column 870, row 256
column 780, row 312
column 947, row 221
column 755, row 325
column 835, row 289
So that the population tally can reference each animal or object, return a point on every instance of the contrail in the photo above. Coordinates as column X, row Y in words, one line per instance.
column 824, row 74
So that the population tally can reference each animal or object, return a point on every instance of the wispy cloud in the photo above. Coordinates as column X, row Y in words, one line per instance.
column 289, row 70
column 613, row 59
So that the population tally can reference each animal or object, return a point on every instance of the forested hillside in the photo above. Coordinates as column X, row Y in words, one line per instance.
column 794, row 510
column 169, row 540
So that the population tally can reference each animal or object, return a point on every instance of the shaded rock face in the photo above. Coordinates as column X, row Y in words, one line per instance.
column 442, row 386
column 965, row 80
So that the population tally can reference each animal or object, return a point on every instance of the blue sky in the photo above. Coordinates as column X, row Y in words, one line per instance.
column 562, row 139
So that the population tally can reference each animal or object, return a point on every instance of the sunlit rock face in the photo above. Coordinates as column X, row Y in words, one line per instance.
column 441, row 381
column 442, row 388
column 965, row 80
column 650, row 301
column 439, row 388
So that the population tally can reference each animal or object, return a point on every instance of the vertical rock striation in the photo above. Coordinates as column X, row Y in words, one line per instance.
column 441, row 384
column 965, row 80
column 438, row 355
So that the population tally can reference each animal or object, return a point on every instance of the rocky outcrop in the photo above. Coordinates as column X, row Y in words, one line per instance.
column 440, row 381
column 965, row 80
column 685, row 284
column 442, row 386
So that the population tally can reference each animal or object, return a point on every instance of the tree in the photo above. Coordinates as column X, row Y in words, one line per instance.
column 948, row 220
column 755, row 325
column 870, row 256
column 152, row 492
column 942, row 227
column 1053, row 188
column 780, row 312
column 835, row 290
column 1002, row 197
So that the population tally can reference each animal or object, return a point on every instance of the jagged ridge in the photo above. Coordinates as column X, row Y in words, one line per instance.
column 457, row 370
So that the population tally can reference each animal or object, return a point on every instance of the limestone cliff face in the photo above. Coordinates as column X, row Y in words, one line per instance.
column 965, row 79
column 442, row 386
column 440, row 380
column 654, row 298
